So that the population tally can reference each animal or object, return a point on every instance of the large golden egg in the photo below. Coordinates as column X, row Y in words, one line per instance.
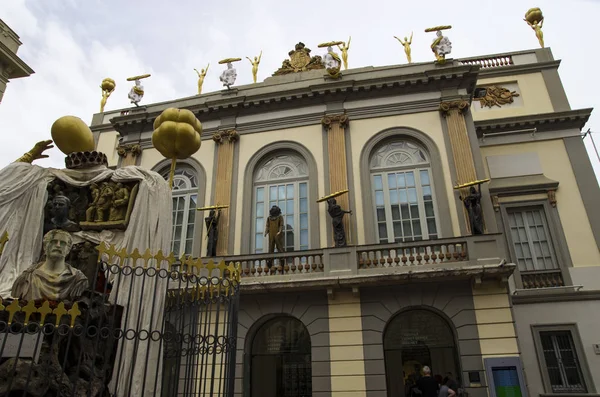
column 177, row 133
column 70, row 134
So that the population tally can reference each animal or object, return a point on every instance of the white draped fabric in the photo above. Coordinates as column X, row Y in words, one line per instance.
column 22, row 199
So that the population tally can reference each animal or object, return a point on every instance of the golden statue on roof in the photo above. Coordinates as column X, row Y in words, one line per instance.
column 406, row 44
column 535, row 19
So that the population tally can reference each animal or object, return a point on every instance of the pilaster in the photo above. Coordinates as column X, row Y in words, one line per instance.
column 335, row 128
column 454, row 111
column 225, row 141
column 129, row 154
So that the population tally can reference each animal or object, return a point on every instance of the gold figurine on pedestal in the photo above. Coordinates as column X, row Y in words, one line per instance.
column 201, row 76
column 107, row 86
column 406, row 44
column 535, row 19
column 441, row 45
column 344, row 49
column 255, row 64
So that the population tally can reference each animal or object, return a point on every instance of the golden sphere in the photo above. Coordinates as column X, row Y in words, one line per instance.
column 108, row 84
column 176, row 133
column 534, row 15
column 70, row 134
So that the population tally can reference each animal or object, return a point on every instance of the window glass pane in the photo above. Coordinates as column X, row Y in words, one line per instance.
column 412, row 195
column 393, row 197
column 290, row 191
column 260, row 224
column 428, row 209
column 401, row 180
column 378, row 184
column 382, row 231
column 303, row 190
column 395, row 212
column 529, row 235
column 304, row 237
column 424, row 177
column 273, row 193
column 303, row 205
column 392, row 181
column 258, row 243
column 260, row 194
column 380, row 214
column 410, row 179
column 562, row 363
column 289, row 220
column 379, row 198
column 289, row 206
column 281, row 192
column 260, row 210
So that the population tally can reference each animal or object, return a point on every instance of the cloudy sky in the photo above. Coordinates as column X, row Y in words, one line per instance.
column 72, row 45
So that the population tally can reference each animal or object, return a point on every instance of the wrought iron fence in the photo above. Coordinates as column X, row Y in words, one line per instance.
column 149, row 325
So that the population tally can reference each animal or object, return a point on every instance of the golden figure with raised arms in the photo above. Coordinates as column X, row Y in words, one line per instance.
column 406, row 44
column 255, row 64
column 344, row 49
column 535, row 19
column 201, row 76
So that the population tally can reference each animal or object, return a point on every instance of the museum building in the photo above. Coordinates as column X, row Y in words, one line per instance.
column 507, row 310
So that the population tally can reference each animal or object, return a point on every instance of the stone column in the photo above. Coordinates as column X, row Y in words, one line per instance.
column 225, row 141
column 464, row 166
column 335, row 127
column 129, row 154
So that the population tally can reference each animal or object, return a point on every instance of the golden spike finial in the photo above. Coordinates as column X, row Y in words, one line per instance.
column 59, row 312
column 13, row 309
column 29, row 309
column 74, row 313
column 44, row 311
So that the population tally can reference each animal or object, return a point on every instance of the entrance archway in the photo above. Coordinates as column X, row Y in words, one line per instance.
column 413, row 339
column 280, row 359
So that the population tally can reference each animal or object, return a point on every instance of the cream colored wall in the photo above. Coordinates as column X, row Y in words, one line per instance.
column 346, row 346
column 107, row 144
column 533, row 93
column 310, row 137
column 556, row 165
column 205, row 156
column 495, row 324
column 363, row 130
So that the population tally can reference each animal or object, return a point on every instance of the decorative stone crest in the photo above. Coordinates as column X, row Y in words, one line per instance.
column 329, row 121
column 461, row 105
column 231, row 135
column 132, row 148
column 300, row 61
column 497, row 96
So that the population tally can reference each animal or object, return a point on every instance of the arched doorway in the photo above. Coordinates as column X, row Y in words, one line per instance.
column 413, row 339
column 280, row 359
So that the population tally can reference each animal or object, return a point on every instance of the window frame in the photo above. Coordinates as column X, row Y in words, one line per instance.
column 555, row 231
column 266, row 184
column 579, row 351
column 194, row 166
column 438, row 179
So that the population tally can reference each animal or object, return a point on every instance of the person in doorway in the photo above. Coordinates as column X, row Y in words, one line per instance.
column 427, row 384
column 446, row 391
column 449, row 380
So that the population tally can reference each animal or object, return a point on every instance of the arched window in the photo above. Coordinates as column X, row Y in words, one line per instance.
column 282, row 180
column 280, row 357
column 403, row 192
column 185, row 202
column 413, row 339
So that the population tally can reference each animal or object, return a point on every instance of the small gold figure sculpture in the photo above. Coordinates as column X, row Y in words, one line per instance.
column 104, row 203
column 120, row 201
column 90, row 212
column 108, row 86
column 535, row 19
column 344, row 49
column 406, row 44
column 332, row 60
column 201, row 76
column 255, row 65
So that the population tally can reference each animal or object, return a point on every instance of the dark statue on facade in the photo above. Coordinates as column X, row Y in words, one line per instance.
column 212, row 232
column 60, row 207
column 337, row 215
column 274, row 228
column 472, row 203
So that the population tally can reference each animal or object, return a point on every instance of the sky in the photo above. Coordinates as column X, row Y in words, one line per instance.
column 72, row 45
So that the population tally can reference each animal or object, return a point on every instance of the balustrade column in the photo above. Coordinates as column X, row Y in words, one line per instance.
column 225, row 141
column 335, row 127
column 464, row 165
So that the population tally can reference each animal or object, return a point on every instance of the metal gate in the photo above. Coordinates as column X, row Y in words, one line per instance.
column 149, row 325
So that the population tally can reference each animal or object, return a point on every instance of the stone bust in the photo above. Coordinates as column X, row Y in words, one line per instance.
column 60, row 213
column 52, row 279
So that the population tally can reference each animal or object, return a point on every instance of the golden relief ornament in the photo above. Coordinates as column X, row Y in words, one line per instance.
column 231, row 136
column 300, row 61
column 497, row 96
column 133, row 148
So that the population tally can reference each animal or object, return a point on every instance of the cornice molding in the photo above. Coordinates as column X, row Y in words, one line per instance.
column 19, row 67
column 545, row 296
column 540, row 121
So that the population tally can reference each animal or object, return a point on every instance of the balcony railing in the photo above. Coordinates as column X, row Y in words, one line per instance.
column 489, row 62
column 372, row 259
